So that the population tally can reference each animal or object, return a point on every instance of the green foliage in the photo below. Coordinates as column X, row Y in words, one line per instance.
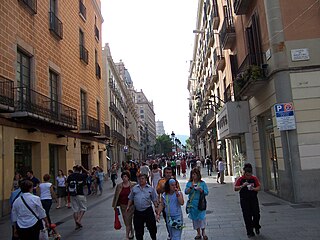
column 163, row 144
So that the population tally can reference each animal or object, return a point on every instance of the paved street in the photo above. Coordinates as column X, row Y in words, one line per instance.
column 279, row 219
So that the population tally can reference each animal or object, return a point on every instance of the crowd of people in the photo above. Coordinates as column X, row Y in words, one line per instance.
column 146, row 191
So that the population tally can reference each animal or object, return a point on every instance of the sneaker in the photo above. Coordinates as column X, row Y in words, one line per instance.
column 257, row 231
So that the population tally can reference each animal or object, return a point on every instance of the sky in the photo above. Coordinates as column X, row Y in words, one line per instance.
column 154, row 39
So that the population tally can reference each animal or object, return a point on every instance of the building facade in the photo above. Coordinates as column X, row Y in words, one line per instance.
column 147, row 116
column 249, row 69
column 46, row 125
column 160, row 128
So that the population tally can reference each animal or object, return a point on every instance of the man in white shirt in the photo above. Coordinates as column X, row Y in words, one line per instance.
column 221, row 168
column 26, row 211
column 178, row 163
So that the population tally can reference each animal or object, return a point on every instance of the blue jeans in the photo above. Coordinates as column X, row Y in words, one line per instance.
column 175, row 234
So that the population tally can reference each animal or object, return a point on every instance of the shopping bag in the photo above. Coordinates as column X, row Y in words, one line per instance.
column 43, row 234
column 117, row 224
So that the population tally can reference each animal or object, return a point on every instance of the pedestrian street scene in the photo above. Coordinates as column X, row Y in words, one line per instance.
column 168, row 120
column 279, row 219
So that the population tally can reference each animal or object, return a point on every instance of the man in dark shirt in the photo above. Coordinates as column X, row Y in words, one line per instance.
column 249, row 185
column 34, row 180
column 78, row 201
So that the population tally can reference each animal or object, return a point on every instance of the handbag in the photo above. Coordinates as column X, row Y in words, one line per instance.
column 117, row 224
column 39, row 222
column 202, row 205
column 174, row 223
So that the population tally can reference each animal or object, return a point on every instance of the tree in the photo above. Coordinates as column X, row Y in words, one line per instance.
column 163, row 144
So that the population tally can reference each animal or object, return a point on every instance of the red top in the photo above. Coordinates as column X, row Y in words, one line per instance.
column 123, row 196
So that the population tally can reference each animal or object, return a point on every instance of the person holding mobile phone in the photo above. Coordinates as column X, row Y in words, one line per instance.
column 194, row 187
column 248, row 187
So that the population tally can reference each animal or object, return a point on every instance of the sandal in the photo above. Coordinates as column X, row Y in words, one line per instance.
column 205, row 237
column 197, row 237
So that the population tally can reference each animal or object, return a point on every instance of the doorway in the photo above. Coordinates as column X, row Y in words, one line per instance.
column 269, row 153
column 22, row 157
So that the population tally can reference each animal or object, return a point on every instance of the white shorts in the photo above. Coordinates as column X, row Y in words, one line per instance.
column 199, row 224
column 79, row 203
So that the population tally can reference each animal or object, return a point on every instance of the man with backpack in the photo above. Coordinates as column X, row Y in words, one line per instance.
column 75, row 183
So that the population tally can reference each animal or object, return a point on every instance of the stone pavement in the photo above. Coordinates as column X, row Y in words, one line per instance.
column 279, row 219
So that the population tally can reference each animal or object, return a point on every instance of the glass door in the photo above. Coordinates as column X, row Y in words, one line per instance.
column 273, row 163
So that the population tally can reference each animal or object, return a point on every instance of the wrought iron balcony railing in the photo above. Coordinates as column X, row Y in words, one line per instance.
column 30, row 103
column 96, row 32
column 251, row 75
column 82, row 9
column 30, row 4
column 118, row 136
column 84, row 54
column 89, row 125
column 218, row 58
column 227, row 34
column 55, row 25
column 6, row 95
column 113, row 108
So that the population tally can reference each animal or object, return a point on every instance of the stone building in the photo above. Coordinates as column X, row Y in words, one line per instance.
column 52, row 113
column 254, row 91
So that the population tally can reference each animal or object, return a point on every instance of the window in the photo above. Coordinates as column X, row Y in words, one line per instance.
column 254, row 42
column 84, row 55
column 23, row 78
column 82, row 10
column 96, row 29
column 98, row 111
column 55, row 25
column 98, row 69
column 30, row 4
column 83, row 108
column 54, row 91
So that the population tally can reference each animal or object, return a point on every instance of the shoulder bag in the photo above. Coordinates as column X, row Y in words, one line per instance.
column 202, row 205
column 39, row 223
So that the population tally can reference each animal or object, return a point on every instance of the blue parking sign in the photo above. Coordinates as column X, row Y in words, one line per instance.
column 285, row 116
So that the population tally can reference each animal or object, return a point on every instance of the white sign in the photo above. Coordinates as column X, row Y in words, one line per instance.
column 285, row 116
column 300, row 54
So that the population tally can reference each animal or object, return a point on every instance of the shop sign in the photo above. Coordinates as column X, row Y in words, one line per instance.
column 233, row 119
column 285, row 116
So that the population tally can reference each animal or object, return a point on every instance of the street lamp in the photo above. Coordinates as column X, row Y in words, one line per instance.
column 173, row 135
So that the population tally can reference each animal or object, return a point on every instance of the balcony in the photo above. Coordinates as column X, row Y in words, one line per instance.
column 113, row 108
column 6, row 95
column 215, row 15
column 105, row 132
column 98, row 71
column 241, row 6
column 118, row 136
column 31, row 5
column 82, row 10
column 219, row 59
column 32, row 106
column 55, row 26
column 251, row 76
column 96, row 33
column 89, row 125
column 227, row 34
column 84, row 54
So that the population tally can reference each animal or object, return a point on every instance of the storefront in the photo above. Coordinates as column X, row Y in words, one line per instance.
column 232, row 131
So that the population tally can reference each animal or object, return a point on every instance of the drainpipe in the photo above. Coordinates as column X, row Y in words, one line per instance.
column 3, row 172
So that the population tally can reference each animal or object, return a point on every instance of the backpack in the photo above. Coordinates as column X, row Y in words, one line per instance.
column 72, row 188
